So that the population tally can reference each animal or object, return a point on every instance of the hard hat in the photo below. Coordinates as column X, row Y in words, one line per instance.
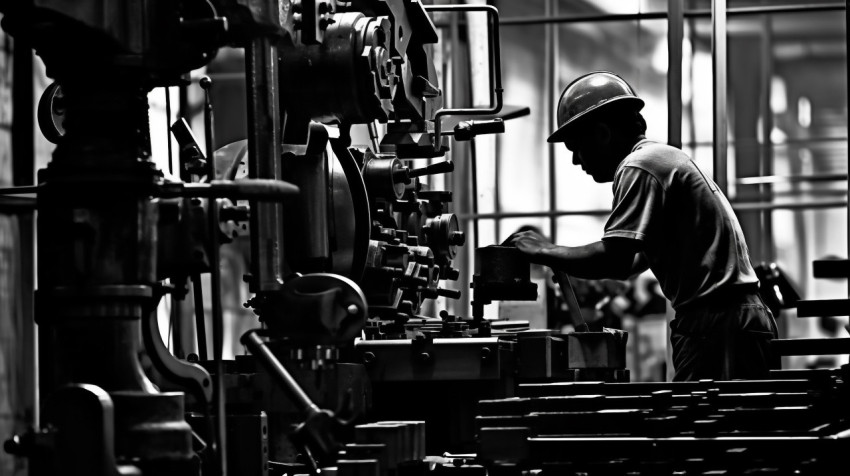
column 588, row 93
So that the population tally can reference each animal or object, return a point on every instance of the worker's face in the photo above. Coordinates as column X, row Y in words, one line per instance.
column 591, row 148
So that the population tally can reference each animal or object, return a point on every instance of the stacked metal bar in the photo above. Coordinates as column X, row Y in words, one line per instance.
column 795, row 426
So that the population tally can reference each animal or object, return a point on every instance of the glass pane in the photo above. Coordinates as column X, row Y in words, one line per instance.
column 803, row 236
column 522, row 148
column 514, row 9
column 706, row 4
column 637, row 51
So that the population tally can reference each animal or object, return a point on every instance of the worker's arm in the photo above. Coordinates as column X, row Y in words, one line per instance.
column 608, row 259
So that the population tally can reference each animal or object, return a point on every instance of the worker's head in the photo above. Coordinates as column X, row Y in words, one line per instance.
column 599, row 121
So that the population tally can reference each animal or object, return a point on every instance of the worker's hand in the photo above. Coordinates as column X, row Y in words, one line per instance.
column 531, row 243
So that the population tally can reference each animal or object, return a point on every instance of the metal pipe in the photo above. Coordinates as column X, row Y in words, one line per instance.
column 787, row 142
column 183, row 111
column 168, row 129
column 552, row 117
column 768, row 248
column 215, row 286
column 789, row 206
column 742, row 206
column 264, row 150
column 19, row 190
column 742, row 11
column 373, row 136
column 718, row 61
column 23, row 174
column 473, row 161
column 847, row 66
column 494, row 67
column 200, row 319
column 543, row 214
column 675, row 36
column 294, row 391
column 17, row 205
column 247, row 189
column 790, row 179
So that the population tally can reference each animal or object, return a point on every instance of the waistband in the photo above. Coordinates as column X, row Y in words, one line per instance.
column 722, row 298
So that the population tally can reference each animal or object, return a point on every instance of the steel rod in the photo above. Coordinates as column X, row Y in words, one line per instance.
column 790, row 178
column 768, row 246
column 264, row 149
column 718, row 61
column 555, row 78
column 675, row 36
column 294, row 391
column 473, row 163
column 17, row 205
column 200, row 320
column 168, row 129
column 786, row 142
column 743, row 206
column 742, row 11
column 19, row 190
column 215, row 286
column 789, row 206
column 23, row 174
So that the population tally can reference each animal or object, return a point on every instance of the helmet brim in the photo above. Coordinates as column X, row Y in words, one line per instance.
column 563, row 132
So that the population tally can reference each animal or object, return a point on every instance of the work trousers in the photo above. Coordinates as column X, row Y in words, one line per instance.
column 725, row 340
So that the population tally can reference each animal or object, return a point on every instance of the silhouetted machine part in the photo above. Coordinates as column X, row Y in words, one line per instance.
column 317, row 434
column 501, row 273
column 97, row 228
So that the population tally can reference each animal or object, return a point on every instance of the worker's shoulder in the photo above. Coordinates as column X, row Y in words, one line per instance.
column 656, row 158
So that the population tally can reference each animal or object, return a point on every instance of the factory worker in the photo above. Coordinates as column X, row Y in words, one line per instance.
column 667, row 216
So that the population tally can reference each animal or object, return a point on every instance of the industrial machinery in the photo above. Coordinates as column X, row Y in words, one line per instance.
column 373, row 242
column 347, row 245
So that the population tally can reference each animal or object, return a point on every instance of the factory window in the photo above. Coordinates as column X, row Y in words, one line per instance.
column 786, row 159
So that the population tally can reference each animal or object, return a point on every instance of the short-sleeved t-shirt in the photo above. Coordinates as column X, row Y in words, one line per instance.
column 686, row 227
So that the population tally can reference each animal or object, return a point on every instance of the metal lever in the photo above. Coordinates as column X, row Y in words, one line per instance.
column 192, row 158
column 466, row 130
column 294, row 391
column 315, row 436
column 245, row 189
column 403, row 175
column 570, row 295
column 495, row 67
column 433, row 169
column 448, row 293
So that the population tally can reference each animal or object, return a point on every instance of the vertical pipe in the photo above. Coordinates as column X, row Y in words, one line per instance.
column 497, row 178
column 264, row 139
column 692, row 129
column 461, row 179
column 23, row 173
column 182, row 112
column 168, row 128
column 176, row 317
column 200, row 319
column 847, row 79
column 550, row 97
column 766, row 163
column 215, row 286
column 473, row 161
column 718, row 60
column 675, row 36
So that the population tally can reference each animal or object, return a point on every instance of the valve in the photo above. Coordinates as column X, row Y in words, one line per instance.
column 467, row 130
